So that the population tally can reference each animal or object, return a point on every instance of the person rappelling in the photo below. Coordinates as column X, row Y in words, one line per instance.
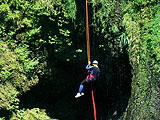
column 93, row 73
column 93, row 70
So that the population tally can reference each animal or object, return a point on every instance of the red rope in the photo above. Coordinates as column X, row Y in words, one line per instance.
column 94, row 106
column 88, row 55
column 87, row 33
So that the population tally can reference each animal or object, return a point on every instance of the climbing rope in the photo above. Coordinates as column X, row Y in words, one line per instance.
column 88, row 55
column 87, row 33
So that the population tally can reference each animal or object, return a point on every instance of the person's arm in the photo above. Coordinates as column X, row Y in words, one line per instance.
column 89, row 67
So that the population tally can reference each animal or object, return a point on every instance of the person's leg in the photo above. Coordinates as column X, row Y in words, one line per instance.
column 81, row 86
column 80, row 93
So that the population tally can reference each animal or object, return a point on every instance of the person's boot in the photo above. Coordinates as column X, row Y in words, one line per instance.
column 82, row 93
column 78, row 95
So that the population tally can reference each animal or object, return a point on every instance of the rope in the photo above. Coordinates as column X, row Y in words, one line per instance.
column 94, row 106
column 88, row 55
column 87, row 33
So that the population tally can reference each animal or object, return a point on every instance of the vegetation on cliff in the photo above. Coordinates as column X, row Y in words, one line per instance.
column 43, row 55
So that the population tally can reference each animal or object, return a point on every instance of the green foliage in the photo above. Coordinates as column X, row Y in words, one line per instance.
column 8, row 97
column 32, row 114
column 2, row 118
column 23, row 54
column 142, row 27
column 17, row 67
column 124, row 41
column 105, row 15
column 30, row 22
column 27, row 28
column 35, row 34
column 107, row 24
column 70, row 6
column 17, row 73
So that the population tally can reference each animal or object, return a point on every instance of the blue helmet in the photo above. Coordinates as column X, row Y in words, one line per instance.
column 95, row 62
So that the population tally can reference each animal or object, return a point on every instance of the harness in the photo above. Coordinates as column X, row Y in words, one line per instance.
column 90, row 76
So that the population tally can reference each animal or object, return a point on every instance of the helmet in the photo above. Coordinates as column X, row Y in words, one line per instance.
column 95, row 62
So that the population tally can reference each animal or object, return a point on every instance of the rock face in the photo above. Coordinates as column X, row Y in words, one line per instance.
column 141, row 24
